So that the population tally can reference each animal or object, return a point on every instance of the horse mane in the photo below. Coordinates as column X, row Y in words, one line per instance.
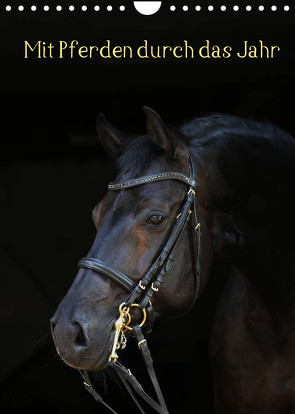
column 212, row 130
column 200, row 131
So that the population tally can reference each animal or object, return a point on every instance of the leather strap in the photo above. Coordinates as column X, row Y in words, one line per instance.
column 100, row 267
column 152, row 178
column 128, row 378
column 124, row 373
column 93, row 392
column 148, row 360
column 131, row 393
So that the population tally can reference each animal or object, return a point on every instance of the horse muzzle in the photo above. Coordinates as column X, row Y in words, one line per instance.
column 80, row 345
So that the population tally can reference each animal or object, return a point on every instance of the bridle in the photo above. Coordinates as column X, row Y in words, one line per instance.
column 141, row 294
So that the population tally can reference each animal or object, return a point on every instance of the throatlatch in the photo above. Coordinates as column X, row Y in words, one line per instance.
column 142, row 293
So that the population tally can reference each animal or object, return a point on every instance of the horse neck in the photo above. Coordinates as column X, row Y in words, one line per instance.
column 249, row 185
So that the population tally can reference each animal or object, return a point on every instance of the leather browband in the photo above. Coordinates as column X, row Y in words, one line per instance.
column 151, row 178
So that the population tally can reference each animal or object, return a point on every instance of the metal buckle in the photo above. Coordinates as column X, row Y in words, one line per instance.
column 141, row 342
column 141, row 285
column 191, row 191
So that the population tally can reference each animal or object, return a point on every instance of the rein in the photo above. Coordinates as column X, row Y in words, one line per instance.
column 141, row 294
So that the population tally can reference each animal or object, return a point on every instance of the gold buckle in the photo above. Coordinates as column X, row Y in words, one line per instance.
column 141, row 285
column 155, row 289
column 191, row 191
column 141, row 342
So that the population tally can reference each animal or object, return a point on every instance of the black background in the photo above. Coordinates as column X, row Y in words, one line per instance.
column 53, row 170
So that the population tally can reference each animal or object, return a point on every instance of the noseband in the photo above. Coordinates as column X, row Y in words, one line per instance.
column 141, row 294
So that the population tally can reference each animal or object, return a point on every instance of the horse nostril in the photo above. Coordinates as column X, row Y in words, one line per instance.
column 80, row 339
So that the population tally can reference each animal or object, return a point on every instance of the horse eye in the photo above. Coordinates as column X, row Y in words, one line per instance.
column 155, row 219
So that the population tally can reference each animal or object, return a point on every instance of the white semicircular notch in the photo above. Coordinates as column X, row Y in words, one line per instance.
column 147, row 7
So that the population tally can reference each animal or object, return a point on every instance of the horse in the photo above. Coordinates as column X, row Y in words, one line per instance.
column 216, row 186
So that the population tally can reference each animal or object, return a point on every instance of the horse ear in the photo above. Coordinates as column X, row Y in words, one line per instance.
column 160, row 135
column 110, row 137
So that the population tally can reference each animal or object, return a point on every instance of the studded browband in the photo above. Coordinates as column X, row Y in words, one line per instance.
column 151, row 178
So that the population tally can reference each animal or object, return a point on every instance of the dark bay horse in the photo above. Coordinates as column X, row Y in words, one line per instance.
column 244, row 203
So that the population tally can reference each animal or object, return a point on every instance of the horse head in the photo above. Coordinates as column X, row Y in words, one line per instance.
column 133, row 226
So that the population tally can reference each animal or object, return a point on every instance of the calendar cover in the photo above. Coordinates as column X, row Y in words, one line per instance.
column 154, row 141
